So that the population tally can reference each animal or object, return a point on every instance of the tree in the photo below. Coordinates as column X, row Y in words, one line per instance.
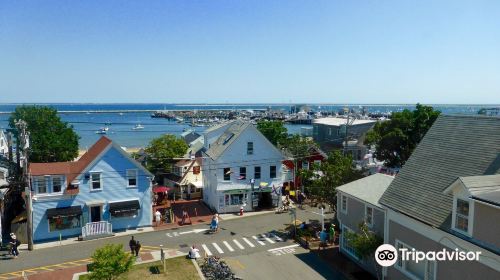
column 51, row 139
column 161, row 151
column 336, row 170
column 275, row 131
column 396, row 138
column 109, row 262
column 365, row 243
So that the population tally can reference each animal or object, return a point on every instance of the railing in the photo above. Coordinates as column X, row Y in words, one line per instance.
column 97, row 228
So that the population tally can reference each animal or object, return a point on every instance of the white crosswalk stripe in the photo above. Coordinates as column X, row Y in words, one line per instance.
column 176, row 234
column 267, row 239
column 168, row 234
column 228, row 246
column 258, row 241
column 206, row 249
column 238, row 244
column 248, row 242
column 277, row 237
column 218, row 248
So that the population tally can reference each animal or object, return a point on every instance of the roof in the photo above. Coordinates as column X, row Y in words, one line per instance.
column 369, row 189
column 215, row 127
column 189, row 136
column 233, row 131
column 485, row 188
column 455, row 146
column 71, row 168
column 340, row 121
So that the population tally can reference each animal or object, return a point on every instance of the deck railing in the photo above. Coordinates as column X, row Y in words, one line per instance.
column 97, row 228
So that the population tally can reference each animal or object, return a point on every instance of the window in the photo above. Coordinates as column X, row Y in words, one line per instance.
column 272, row 171
column 257, row 172
column 243, row 173
column 462, row 215
column 235, row 199
column 343, row 202
column 132, row 177
column 369, row 215
column 305, row 165
column 41, row 185
column 249, row 148
column 95, row 181
column 2, row 175
column 57, row 184
column 227, row 174
column 430, row 270
column 346, row 245
column 196, row 170
column 64, row 222
column 414, row 269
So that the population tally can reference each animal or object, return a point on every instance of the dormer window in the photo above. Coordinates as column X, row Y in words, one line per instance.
column 462, row 215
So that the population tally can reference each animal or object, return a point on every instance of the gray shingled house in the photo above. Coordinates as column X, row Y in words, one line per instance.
column 447, row 196
column 357, row 203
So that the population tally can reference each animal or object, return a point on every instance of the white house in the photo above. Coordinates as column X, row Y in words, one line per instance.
column 241, row 168
column 4, row 148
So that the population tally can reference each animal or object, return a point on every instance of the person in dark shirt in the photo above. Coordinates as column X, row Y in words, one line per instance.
column 137, row 248
column 132, row 243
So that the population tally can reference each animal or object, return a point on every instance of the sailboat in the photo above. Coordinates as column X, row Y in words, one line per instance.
column 138, row 127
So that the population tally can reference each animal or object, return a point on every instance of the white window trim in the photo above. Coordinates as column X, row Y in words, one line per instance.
column 46, row 179
column 136, row 178
column 346, row 203
column 366, row 215
column 470, row 223
column 100, row 181
column 342, row 245
column 408, row 273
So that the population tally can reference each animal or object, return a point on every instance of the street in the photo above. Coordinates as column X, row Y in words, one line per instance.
column 250, row 240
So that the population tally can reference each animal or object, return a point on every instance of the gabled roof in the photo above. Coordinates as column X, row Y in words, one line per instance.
column 232, row 133
column 369, row 189
column 455, row 146
column 189, row 136
column 484, row 188
column 71, row 168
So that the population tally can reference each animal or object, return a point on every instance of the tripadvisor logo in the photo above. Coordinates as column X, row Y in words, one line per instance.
column 387, row 255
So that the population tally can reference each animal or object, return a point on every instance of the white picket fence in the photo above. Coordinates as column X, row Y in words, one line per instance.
column 97, row 228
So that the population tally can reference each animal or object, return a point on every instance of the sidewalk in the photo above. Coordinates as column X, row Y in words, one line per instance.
column 232, row 216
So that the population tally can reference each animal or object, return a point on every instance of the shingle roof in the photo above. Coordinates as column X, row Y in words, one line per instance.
column 485, row 188
column 230, row 134
column 189, row 136
column 369, row 189
column 455, row 146
column 70, row 169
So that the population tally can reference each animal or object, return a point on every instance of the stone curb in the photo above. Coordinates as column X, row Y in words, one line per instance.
column 202, row 277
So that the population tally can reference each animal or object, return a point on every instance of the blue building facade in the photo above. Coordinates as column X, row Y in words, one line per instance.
column 105, row 186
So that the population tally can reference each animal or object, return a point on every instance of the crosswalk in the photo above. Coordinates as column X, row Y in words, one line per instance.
column 228, row 246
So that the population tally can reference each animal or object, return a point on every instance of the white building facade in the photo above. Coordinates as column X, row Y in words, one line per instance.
column 241, row 169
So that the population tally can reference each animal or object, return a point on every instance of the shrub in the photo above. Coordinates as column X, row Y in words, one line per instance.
column 109, row 262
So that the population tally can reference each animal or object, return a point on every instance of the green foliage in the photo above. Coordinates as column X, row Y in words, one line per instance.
column 396, row 138
column 51, row 139
column 275, row 131
column 364, row 243
column 298, row 146
column 109, row 262
column 162, row 150
column 337, row 170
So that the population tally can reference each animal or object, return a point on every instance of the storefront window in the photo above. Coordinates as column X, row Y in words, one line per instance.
column 124, row 213
column 64, row 222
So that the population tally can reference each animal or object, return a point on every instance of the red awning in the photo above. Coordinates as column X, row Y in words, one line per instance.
column 159, row 189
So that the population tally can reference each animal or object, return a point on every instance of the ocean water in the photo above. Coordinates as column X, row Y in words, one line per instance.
column 86, row 122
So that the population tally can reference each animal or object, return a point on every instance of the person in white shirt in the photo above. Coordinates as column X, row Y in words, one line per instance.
column 194, row 253
column 158, row 217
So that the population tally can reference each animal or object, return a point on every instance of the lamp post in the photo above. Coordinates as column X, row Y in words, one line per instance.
column 252, row 184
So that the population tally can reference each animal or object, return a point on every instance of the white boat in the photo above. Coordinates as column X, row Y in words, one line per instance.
column 102, row 130
column 138, row 127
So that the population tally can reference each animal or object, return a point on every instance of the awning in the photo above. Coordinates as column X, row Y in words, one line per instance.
column 235, row 192
column 160, row 189
column 131, row 205
column 66, row 211
column 95, row 202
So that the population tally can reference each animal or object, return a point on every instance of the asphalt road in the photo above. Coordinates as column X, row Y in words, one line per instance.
column 257, row 230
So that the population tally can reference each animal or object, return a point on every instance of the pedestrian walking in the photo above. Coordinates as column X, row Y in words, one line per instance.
column 332, row 233
column 132, row 243
column 323, row 236
column 137, row 248
column 14, row 243
column 157, row 217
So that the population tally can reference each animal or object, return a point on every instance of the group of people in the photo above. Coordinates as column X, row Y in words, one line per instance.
column 135, row 246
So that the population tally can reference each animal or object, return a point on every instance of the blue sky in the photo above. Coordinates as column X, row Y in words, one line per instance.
column 269, row 51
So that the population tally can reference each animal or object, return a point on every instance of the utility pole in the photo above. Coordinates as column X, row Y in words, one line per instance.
column 23, row 138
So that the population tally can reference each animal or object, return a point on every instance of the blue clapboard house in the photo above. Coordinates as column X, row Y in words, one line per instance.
column 102, row 192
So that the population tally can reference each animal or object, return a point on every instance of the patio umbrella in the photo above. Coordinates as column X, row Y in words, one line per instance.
column 159, row 189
